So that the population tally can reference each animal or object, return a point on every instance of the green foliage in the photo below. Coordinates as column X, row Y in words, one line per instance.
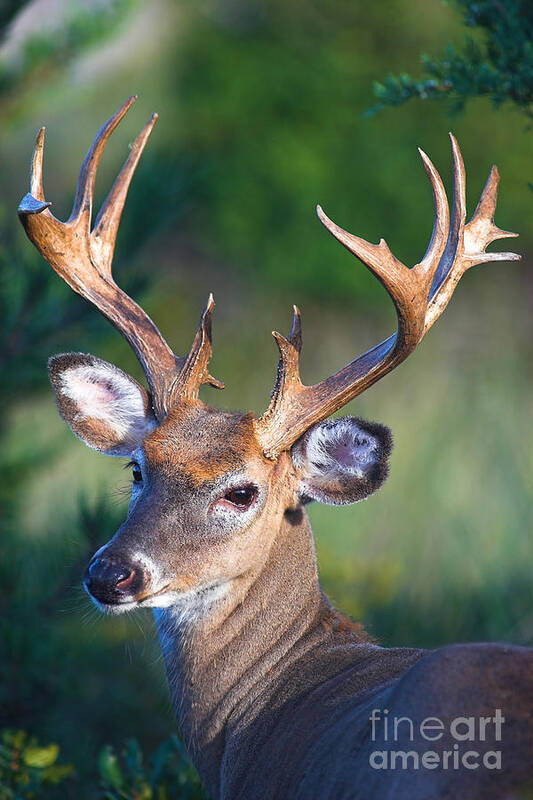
column 27, row 769
column 267, row 123
column 29, row 297
column 44, row 52
column 497, row 63
column 167, row 776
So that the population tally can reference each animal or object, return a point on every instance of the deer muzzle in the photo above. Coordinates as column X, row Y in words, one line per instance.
column 111, row 582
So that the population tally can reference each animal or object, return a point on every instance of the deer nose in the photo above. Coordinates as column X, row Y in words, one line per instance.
column 111, row 582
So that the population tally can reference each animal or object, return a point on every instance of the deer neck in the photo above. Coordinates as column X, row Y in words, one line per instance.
column 218, row 667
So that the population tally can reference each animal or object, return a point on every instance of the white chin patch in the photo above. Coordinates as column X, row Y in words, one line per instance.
column 192, row 606
column 103, row 392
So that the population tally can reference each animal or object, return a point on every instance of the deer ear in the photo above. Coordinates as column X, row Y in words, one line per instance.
column 342, row 460
column 107, row 409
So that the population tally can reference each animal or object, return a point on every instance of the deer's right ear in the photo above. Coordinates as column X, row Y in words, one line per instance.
column 107, row 409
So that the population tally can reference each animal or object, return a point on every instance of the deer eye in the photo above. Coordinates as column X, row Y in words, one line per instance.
column 242, row 497
column 136, row 472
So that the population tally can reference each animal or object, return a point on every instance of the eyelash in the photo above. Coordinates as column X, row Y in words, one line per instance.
column 134, row 466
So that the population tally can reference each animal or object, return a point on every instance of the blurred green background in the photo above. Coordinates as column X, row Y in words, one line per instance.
column 261, row 110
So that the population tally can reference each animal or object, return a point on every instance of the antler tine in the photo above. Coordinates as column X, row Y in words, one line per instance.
column 441, row 224
column 83, row 201
column 194, row 369
column 83, row 259
column 36, row 172
column 104, row 234
column 288, row 381
column 466, row 243
column 420, row 295
column 454, row 246
column 481, row 230
column 377, row 257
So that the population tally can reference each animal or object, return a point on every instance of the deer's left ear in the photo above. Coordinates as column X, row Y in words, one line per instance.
column 342, row 460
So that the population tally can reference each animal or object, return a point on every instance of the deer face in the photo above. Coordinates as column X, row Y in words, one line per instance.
column 206, row 503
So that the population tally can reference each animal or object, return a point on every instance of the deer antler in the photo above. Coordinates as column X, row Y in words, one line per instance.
column 83, row 259
column 420, row 295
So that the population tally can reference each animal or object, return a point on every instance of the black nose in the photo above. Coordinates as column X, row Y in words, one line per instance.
column 112, row 582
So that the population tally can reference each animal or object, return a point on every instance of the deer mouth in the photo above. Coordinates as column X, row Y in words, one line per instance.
column 172, row 595
column 167, row 597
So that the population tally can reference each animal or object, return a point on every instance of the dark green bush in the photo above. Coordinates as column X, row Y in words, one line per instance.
column 497, row 62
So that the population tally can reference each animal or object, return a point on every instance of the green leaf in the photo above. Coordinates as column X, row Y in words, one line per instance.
column 40, row 757
column 109, row 768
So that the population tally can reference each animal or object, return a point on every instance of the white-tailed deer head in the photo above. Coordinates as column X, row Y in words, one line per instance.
column 211, row 488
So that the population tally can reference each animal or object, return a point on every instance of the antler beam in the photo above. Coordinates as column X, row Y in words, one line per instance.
column 420, row 295
column 83, row 258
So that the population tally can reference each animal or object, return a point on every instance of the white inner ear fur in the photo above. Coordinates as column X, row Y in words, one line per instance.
column 336, row 446
column 104, row 392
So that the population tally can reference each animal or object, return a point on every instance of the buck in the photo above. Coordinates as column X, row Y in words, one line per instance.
column 277, row 694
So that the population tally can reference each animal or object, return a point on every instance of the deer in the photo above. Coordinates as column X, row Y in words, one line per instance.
column 277, row 694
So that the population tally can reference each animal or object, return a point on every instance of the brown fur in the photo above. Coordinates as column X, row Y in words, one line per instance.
column 334, row 621
column 220, row 441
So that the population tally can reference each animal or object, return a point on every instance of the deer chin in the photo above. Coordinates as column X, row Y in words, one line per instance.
column 115, row 608
column 192, row 604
